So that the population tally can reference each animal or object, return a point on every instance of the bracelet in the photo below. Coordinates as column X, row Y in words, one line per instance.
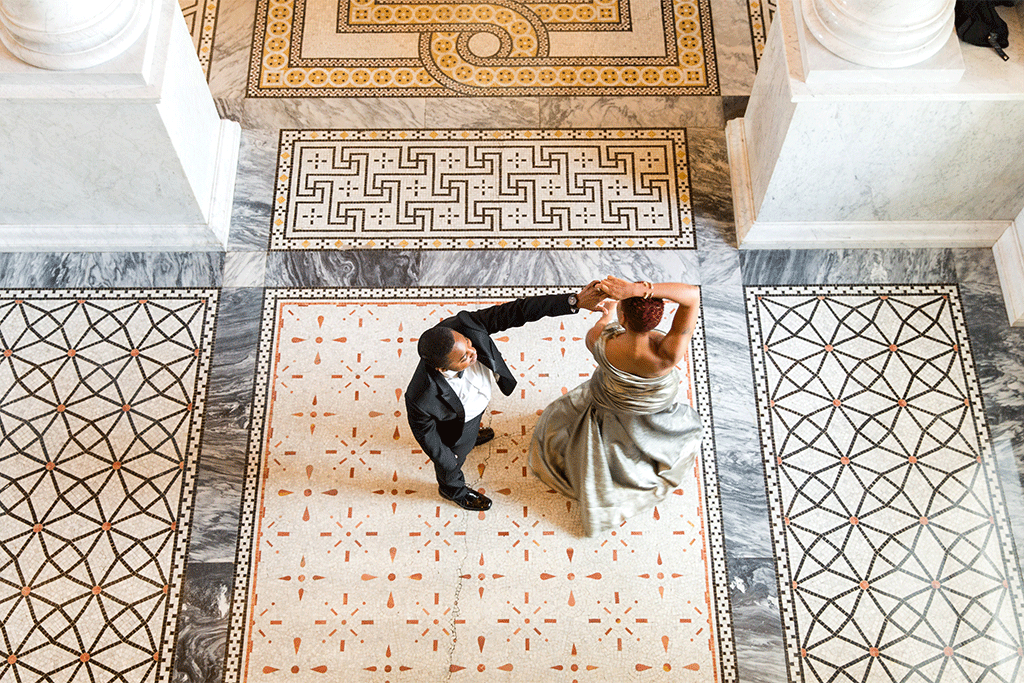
column 650, row 289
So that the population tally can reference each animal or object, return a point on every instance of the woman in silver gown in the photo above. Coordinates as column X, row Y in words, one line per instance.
column 620, row 442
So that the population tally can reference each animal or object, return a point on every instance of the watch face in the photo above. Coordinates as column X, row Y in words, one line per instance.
column 572, row 300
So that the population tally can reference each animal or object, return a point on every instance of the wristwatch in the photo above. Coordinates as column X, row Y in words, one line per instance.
column 574, row 303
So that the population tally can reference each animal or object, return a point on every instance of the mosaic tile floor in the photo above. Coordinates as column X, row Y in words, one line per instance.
column 966, row 629
column 511, row 189
column 893, row 543
column 355, row 555
column 102, row 395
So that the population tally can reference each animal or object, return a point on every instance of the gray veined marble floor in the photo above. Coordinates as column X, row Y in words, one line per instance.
column 721, row 270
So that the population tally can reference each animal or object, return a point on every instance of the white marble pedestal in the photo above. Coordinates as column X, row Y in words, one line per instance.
column 127, row 155
column 830, row 157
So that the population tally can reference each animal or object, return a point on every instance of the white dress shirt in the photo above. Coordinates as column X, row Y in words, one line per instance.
column 473, row 388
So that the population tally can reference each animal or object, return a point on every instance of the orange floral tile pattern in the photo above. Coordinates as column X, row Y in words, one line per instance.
column 350, row 561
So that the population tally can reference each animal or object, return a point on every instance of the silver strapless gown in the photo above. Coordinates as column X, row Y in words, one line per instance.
column 618, row 443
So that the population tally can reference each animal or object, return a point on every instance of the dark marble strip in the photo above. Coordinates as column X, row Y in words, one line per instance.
column 998, row 352
column 226, row 426
column 847, row 266
column 710, row 175
column 365, row 268
column 111, row 269
column 754, row 594
column 204, row 617
column 623, row 111
column 740, row 469
column 467, row 268
column 203, row 623
column 254, row 191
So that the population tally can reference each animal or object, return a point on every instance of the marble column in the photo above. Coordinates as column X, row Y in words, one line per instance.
column 830, row 154
column 881, row 33
column 71, row 34
column 110, row 137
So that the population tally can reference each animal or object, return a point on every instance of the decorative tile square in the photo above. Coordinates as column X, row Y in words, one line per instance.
column 320, row 48
column 101, row 402
column 349, row 561
column 501, row 189
column 895, row 556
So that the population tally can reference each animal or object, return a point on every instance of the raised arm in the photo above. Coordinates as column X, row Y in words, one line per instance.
column 674, row 344
column 607, row 309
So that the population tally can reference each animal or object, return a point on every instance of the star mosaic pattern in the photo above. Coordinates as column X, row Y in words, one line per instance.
column 895, row 558
column 101, row 402
column 492, row 189
column 322, row 48
column 350, row 561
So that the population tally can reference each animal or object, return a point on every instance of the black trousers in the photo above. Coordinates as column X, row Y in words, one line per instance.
column 449, row 475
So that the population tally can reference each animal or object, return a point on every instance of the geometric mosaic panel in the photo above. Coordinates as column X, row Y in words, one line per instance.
column 201, row 21
column 370, row 48
column 461, row 189
column 895, row 555
column 350, row 563
column 101, row 403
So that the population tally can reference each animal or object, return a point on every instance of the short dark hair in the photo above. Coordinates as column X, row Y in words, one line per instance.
column 434, row 346
column 642, row 315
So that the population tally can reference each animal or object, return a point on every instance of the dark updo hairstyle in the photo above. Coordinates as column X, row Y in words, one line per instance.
column 640, row 314
column 434, row 346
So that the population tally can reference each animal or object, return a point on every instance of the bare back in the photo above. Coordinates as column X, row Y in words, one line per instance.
column 638, row 354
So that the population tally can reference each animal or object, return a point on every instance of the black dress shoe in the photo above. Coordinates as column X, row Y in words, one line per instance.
column 471, row 500
column 484, row 435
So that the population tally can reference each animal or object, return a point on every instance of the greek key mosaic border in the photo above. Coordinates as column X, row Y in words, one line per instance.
column 277, row 68
column 799, row 652
column 679, row 233
column 201, row 19
column 715, row 540
column 164, row 618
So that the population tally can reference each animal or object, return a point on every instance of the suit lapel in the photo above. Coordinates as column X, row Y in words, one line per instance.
column 447, row 394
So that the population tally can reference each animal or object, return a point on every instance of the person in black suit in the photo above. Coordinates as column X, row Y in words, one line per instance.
column 450, row 390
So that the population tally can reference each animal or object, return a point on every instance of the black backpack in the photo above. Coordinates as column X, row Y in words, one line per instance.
column 978, row 24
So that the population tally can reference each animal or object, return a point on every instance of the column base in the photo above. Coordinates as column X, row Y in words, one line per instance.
column 1009, row 255
column 754, row 234
column 210, row 236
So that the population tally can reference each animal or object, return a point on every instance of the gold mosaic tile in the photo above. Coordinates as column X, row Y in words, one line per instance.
column 316, row 48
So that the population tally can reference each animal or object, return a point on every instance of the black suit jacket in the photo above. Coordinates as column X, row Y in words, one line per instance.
column 435, row 413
